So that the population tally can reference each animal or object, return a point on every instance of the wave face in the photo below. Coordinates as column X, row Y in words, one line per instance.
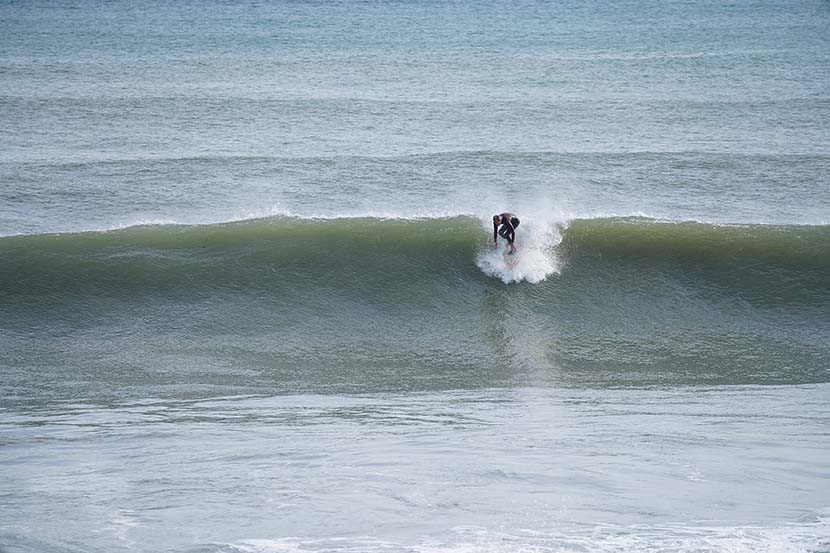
column 609, row 301
column 265, row 254
column 773, row 245
column 346, row 251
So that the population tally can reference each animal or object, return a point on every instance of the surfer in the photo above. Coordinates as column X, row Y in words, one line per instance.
column 508, row 223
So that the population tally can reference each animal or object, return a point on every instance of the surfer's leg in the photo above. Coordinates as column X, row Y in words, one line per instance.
column 515, row 222
column 510, row 236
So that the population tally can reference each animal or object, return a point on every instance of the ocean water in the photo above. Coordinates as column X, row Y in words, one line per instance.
column 249, row 301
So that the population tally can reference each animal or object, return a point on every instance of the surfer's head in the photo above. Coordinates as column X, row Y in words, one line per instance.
column 496, row 219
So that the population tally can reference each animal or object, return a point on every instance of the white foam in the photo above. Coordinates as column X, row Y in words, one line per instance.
column 296, row 545
column 537, row 242
column 786, row 538
column 812, row 537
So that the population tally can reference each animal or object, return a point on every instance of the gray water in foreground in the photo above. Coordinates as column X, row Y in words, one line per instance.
column 526, row 469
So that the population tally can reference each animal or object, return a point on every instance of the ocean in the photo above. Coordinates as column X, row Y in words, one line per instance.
column 249, row 300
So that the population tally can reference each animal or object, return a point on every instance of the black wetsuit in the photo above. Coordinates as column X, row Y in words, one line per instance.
column 508, row 225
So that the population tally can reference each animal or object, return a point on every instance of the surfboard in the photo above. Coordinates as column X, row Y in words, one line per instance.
column 511, row 259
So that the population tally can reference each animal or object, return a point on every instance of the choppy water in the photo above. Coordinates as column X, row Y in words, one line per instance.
column 511, row 469
column 248, row 300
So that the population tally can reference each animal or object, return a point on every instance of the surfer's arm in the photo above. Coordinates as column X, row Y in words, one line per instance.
column 495, row 233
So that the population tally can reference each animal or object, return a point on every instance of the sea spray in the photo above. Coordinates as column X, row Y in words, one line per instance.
column 537, row 242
